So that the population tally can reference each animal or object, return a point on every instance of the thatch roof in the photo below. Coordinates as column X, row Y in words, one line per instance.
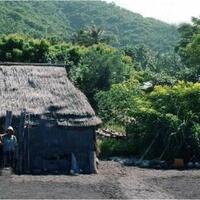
column 44, row 90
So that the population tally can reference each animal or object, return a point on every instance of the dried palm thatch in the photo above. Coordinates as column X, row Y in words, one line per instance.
column 43, row 90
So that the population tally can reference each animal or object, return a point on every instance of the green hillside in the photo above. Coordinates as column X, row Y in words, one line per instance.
column 62, row 18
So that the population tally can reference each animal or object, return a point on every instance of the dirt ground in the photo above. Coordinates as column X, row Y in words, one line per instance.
column 113, row 181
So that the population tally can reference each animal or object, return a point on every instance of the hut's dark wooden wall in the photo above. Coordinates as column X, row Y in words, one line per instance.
column 47, row 147
column 50, row 148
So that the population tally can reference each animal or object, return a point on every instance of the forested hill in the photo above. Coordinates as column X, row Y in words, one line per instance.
column 62, row 18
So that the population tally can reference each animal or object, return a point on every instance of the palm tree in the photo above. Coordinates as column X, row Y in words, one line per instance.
column 96, row 34
column 91, row 35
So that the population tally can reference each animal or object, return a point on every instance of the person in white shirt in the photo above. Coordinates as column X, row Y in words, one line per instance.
column 9, row 147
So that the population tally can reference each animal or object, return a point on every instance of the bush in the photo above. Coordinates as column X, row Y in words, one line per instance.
column 21, row 48
column 113, row 147
column 169, row 116
column 99, row 68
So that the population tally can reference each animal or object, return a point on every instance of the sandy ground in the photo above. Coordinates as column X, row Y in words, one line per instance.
column 113, row 181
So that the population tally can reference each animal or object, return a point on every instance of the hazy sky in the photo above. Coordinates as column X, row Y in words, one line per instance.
column 171, row 11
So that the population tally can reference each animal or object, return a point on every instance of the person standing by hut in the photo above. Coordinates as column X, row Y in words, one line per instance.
column 9, row 147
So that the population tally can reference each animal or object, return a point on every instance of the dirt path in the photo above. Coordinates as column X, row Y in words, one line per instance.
column 113, row 181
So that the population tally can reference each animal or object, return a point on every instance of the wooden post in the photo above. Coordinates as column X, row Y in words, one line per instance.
column 20, row 153
column 8, row 119
column 24, row 149
column 28, row 143
column 92, row 162
column 92, row 155
column 26, row 160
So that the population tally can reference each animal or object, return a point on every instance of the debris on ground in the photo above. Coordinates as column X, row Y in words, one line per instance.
column 152, row 164
column 110, row 133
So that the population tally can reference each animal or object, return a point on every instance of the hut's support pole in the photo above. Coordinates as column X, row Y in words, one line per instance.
column 8, row 119
column 20, row 135
column 92, row 162
column 26, row 163
column 28, row 143
column 26, row 155
column 92, row 155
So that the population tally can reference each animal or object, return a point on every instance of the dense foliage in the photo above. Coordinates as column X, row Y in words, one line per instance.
column 92, row 68
column 166, row 116
column 23, row 49
column 169, row 114
column 152, row 96
column 62, row 19
column 99, row 68
column 189, row 48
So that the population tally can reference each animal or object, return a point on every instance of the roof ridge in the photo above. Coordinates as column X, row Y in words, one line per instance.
column 31, row 64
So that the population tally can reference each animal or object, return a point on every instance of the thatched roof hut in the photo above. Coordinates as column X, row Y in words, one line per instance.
column 61, row 123
column 42, row 90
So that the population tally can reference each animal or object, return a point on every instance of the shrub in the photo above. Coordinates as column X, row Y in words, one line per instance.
column 169, row 116
column 113, row 147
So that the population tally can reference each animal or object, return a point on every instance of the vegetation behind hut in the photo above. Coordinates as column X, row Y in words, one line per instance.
column 60, row 20
column 113, row 80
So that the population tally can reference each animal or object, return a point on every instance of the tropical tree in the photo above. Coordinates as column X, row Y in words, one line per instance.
column 21, row 48
column 189, row 46
column 169, row 116
column 99, row 68
column 143, row 57
column 92, row 35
